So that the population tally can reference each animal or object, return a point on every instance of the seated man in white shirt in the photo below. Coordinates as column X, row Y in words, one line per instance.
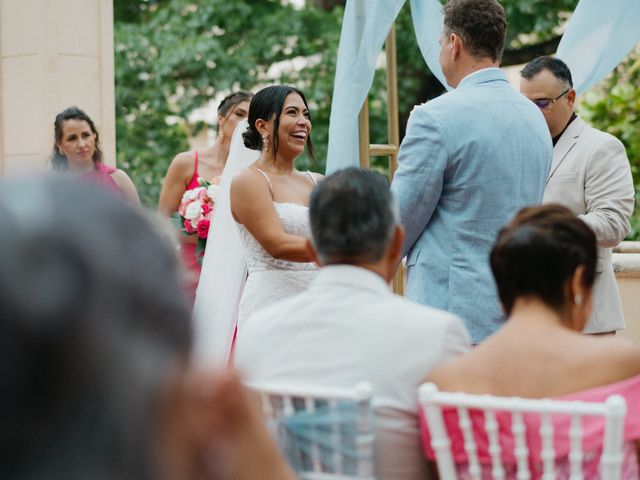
column 349, row 327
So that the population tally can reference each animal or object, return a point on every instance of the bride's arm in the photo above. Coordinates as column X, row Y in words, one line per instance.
column 252, row 206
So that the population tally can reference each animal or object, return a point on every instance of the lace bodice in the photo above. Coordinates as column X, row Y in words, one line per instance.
column 295, row 221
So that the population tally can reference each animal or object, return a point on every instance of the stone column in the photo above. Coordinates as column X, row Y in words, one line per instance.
column 53, row 54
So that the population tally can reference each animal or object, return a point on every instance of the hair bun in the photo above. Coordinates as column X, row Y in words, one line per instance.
column 252, row 139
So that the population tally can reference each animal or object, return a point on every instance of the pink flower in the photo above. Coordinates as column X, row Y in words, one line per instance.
column 187, row 226
column 202, row 194
column 203, row 228
column 206, row 208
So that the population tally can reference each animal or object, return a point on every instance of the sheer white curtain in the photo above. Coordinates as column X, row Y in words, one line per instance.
column 428, row 20
column 364, row 28
column 223, row 268
column 598, row 37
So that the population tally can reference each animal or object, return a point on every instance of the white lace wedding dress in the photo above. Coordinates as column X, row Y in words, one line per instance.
column 271, row 279
column 223, row 300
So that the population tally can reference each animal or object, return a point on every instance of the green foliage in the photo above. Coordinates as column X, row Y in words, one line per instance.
column 614, row 106
column 533, row 21
column 174, row 56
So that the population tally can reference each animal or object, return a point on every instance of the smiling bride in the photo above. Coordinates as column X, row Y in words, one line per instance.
column 268, row 203
column 270, row 198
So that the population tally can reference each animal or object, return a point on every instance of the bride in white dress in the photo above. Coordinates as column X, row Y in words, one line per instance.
column 268, row 201
column 270, row 198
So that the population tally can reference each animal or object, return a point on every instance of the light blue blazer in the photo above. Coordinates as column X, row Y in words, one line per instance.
column 469, row 161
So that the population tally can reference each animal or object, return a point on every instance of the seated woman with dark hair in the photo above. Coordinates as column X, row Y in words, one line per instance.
column 544, row 266
column 95, row 345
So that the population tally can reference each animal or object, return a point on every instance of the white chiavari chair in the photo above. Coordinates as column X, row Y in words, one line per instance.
column 325, row 433
column 433, row 401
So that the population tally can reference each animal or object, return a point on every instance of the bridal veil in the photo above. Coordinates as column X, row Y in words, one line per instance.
column 223, row 267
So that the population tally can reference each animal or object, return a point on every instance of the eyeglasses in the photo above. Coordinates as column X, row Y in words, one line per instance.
column 544, row 104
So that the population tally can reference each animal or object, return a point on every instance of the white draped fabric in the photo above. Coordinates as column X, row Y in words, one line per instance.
column 364, row 28
column 428, row 19
column 224, row 268
column 597, row 38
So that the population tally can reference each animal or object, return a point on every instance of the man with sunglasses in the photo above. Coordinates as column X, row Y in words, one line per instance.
column 590, row 174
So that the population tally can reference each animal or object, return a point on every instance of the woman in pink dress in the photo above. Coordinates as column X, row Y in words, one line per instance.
column 544, row 264
column 187, row 167
column 76, row 149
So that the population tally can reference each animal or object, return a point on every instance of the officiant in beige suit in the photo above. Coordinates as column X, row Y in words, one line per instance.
column 590, row 174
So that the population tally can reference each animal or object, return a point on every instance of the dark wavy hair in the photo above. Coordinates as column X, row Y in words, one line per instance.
column 482, row 25
column 538, row 252
column 230, row 101
column 59, row 161
column 267, row 104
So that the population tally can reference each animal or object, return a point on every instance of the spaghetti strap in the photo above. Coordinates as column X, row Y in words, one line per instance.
column 313, row 179
column 268, row 180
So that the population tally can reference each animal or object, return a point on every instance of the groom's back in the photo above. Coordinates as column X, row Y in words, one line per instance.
column 498, row 156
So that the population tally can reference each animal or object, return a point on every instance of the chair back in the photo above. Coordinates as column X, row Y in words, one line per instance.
column 613, row 410
column 325, row 433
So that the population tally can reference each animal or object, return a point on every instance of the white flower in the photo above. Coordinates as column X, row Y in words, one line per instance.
column 190, row 195
column 193, row 211
column 212, row 192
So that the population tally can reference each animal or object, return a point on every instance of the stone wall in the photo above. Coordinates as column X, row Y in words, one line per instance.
column 53, row 54
column 626, row 264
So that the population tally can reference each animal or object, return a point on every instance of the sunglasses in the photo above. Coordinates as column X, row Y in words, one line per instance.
column 544, row 104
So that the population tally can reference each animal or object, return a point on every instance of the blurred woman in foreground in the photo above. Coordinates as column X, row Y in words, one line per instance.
column 95, row 346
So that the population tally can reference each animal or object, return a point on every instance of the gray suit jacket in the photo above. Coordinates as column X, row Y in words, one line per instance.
column 590, row 174
column 469, row 161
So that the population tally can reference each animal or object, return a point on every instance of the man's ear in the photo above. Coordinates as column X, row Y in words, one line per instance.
column 312, row 252
column 571, row 97
column 456, row 44
column 394, row 252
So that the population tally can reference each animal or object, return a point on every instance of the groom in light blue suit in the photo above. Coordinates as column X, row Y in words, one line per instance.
column 469, row 161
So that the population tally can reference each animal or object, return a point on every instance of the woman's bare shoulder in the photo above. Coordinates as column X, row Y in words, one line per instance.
column 625, row 352
column 249, row 185
column 610, row 358
column 184, row 160
column 453, row 374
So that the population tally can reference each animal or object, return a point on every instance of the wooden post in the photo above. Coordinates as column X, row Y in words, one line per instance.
column 390, row 150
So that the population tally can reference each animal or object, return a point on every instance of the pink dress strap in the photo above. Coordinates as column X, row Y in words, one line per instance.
column 101, row 175
column 193, row 183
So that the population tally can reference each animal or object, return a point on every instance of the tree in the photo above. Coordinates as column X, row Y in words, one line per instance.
column 174, row 56
column 614, row 106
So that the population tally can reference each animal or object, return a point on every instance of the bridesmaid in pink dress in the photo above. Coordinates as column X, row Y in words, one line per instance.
column 76, row 149
column 187, row 167
column 544, row 264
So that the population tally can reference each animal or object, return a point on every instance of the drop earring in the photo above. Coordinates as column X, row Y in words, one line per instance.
column 265, row 141
column 578, row 299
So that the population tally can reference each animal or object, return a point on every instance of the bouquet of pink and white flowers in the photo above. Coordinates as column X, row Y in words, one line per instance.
column 195, row 211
